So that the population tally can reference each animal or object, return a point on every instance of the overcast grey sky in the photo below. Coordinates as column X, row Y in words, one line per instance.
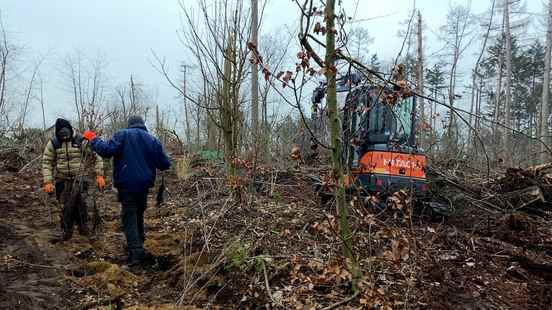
column 125, row 31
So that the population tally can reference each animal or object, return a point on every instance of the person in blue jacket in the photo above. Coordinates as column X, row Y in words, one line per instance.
column 136, row 157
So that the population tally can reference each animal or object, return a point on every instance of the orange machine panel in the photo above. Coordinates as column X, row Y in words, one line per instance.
column 393, row 163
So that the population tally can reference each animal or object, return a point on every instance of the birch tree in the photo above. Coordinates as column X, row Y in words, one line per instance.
column 457, row 33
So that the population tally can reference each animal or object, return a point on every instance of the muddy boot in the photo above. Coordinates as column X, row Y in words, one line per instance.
column 133, row 263
column 84, row 231
column 60, row 237
column 66, row 230
column 67, row 235
column 135, row 257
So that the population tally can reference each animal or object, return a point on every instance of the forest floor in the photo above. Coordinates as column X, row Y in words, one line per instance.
column 276, row 248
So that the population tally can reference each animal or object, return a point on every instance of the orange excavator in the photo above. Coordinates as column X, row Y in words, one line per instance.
column 379, row 137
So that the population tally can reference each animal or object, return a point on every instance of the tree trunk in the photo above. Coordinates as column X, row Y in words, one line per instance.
column 265, row 131
column 430, row 137
column 227, row 110
column 508, row 97
column 477, row 124
column 75, row 95
column 211, row 126
column 420, row 78
column 472, row 110
column 132, row 96
column 42, row 105
column 185, row 103
column 200, row 99
column 545, row 108
column 27, row 100
column 157, row 122
column 451, row 130
column 254, row 78
column 335, row 136
column 44, row 134
column 237, row 115
column 475, row 95
column 497, row 109
column 4, row 54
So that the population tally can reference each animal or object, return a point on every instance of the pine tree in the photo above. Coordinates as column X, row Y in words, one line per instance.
column 435, row 83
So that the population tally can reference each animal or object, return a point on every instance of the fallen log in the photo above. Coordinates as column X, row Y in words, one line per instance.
column 538, row 269
column 522, row 198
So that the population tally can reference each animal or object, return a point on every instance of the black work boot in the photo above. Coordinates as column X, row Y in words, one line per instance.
column 84, row 231
column 61, row 237
column 67, row 235
column 135, row 257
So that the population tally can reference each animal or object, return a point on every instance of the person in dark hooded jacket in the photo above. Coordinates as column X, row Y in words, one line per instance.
column 64, row 170
column 136, row 157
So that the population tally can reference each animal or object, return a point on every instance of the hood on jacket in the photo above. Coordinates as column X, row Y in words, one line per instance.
column 60, row 124
column 136, row 121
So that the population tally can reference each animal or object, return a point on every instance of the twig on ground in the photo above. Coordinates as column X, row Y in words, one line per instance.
column 343, row 302
column 17, row 261
column 27, row 165
column 268, row 292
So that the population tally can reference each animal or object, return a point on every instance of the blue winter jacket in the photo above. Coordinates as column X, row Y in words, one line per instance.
column 136, row 156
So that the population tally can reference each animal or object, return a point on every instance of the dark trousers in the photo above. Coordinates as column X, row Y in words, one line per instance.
column 72, row 195
column 132, row 218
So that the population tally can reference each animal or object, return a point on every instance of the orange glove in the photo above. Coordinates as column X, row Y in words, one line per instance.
column 48, row 188
column 89, row 135
column 100, row 181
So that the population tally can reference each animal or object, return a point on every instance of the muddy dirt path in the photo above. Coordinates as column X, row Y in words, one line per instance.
column 38, row 272
column 32, row 267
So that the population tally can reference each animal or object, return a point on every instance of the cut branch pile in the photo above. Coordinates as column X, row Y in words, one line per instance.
column 517, row 189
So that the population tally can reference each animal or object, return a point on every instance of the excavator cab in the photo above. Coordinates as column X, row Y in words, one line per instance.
column 380, row 151
column 382, row 155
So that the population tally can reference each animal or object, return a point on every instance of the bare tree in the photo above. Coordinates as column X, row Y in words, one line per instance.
column 335, row 130
column 359, row 41
column 498, row 104
column 274, row 52
column 131, row 100
column 87, row 85
column 42, row 105
column 185, row 103
column 545, row 105
column 216, row 35
column 508, row 97
column 333, row 23
column 457, row 34
column 254, row 75
column 28, row 95
column 420, row 72
column 475, row 92
column 5, row 54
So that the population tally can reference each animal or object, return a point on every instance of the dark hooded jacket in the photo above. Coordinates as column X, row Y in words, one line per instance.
column 136, row 156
